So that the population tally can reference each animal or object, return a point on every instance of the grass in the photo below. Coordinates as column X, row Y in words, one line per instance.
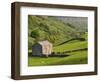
column 77, row 57
column 70, row 46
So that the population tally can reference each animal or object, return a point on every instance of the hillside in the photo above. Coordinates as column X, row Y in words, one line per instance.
column 49, row 28
column 78, row 23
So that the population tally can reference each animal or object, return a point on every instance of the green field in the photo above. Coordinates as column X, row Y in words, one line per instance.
column 70, row 46
column 77, row 57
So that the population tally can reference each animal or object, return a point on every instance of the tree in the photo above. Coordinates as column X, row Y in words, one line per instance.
column 38, row 34
column 35, row 34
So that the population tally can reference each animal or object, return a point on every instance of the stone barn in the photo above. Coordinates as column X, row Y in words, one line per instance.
column 42, row 48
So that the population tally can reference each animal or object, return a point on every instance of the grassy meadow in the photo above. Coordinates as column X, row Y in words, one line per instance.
column 74, row 57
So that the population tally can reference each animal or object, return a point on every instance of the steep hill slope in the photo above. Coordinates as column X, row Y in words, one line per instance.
column 49, row 28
